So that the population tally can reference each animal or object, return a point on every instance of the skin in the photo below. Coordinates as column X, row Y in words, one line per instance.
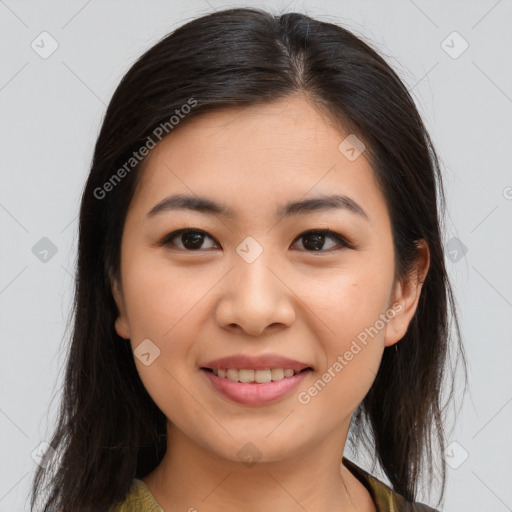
column 196, row 306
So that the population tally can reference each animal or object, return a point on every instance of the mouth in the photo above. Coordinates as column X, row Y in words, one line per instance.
column 255, row 379
column 260, row 376
column 252, row 387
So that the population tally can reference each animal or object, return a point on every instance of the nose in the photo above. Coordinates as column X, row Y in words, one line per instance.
column 255, row 297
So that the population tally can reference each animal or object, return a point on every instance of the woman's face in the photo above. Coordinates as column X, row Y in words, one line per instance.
column 255, row 284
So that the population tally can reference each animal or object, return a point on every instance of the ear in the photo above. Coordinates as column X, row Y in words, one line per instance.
column 121, row 323
column 407, row 295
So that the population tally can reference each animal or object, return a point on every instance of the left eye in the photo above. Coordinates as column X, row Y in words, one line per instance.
column 314, row 240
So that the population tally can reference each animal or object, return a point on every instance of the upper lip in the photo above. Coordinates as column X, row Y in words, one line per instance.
column 258, row 362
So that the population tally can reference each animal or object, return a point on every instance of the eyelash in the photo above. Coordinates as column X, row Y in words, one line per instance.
column 325, row 232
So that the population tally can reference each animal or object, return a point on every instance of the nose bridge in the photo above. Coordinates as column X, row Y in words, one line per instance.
column 253, row 262
column 255, row 297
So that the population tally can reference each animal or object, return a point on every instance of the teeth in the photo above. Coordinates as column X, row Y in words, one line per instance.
column 277, row 373
column 232, row 375
column 246, row 375
column 259, row 376
column 262, row 376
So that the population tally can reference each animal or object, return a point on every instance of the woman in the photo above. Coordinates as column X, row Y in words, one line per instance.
column 260, row 281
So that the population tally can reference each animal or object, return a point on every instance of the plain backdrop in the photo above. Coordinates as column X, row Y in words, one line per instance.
column 60, row 63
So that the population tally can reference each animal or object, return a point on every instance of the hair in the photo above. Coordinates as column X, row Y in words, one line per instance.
column 109, row 430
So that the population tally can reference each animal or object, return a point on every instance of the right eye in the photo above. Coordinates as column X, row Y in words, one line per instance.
column 190, row 239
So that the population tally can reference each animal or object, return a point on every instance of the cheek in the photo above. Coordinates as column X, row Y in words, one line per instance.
column 168, row 307
column 160, row 298
column 162, row 306
column 346, row 303
column 350, row 333
column 347, row 321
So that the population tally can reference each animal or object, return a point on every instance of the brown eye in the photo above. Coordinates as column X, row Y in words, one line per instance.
column 314, row 241
column 190, row 239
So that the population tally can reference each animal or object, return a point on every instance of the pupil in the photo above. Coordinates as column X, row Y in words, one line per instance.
column 315, row 239
column 192, row 240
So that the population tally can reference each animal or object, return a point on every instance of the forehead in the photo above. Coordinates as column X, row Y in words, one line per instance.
column 254, row 156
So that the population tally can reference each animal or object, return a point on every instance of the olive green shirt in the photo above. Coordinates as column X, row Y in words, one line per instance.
column 140, row 499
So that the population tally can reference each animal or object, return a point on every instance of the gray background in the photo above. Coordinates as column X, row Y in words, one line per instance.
column 51, row 110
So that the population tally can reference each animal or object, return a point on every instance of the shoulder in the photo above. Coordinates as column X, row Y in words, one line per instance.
column 386, row 500
column 138, row 499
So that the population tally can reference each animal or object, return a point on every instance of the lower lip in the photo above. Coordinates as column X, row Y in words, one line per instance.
column 252, row 393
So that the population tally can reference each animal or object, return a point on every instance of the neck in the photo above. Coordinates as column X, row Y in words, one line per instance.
column 193, row 478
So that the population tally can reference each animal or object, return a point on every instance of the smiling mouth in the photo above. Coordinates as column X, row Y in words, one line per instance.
column 262, row 376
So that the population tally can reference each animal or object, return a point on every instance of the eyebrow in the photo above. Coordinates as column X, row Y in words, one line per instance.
column 210, row 207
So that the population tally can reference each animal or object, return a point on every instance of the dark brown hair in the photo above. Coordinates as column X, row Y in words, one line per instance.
column 109, row 429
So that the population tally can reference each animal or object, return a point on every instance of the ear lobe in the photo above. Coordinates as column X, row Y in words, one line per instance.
column 407, row 295
column 121, row 323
